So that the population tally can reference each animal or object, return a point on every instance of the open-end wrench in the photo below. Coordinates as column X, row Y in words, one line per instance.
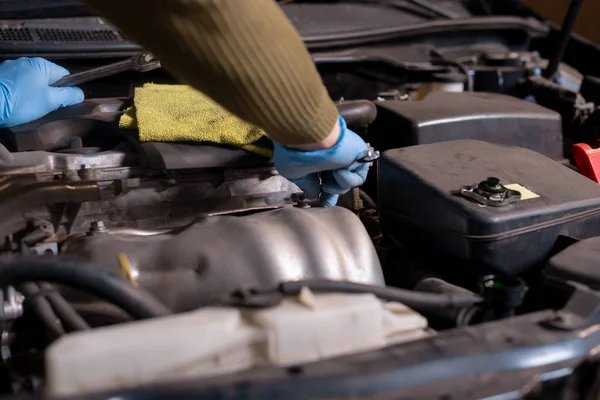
column 370, row 155
column 140, row 62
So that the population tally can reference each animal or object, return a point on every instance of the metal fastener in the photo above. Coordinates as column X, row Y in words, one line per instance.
column 97, row 227
column 371, row 156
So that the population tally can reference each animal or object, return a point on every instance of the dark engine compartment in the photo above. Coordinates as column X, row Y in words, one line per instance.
column 478, row 192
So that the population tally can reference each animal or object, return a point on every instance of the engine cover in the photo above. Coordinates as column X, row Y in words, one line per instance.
column 209, row 259
column 483, row 204
column 489, row 117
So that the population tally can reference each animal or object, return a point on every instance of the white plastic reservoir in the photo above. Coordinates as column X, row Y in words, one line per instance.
column 219, row 340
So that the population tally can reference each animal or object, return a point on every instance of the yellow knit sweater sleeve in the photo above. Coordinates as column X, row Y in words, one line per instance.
column 244, row 54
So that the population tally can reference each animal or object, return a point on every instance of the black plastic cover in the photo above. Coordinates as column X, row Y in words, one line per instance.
column 579, row 263
column 420, row 206
column 171, row 156
column 443, row 116
column 590, row 88
column 95, row 122
column 357, row 113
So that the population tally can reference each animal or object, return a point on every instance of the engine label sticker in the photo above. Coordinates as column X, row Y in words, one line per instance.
column 526, row 194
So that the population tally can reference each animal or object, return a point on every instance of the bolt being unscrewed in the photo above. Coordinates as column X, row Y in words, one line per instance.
column 371, row 156
column 302, row 201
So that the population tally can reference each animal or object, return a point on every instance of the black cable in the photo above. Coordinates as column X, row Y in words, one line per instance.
column 138, row 303
column 564, row 36
column 63, row 309
column 485, row 7
column 463, row 69
column 101, row 313
column 415, row 300
column 367, row 200
column 34, row 298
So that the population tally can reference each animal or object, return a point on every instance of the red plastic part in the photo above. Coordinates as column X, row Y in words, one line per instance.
column 587, row 160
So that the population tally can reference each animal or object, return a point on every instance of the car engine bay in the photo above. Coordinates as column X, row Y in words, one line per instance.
column 468, row 257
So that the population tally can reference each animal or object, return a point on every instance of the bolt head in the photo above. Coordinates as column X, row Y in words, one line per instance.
column 98, row 224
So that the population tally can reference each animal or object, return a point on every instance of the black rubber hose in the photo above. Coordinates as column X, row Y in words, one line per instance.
column 102, row 313
column 457, row 316
column 138, row 303
column 34, row 297
column 367, row 200
column 63, row 309
column 463, row 69
column 566, row 30
column 415, row 300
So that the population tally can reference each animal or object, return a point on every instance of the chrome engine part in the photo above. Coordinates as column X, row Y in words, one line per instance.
column 212, row 257
column 140, row 185
column 77, row 187
column 134, row 197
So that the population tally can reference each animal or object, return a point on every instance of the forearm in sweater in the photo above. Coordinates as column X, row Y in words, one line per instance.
column 245, row 54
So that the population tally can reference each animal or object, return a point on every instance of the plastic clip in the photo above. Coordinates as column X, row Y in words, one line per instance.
column 587, row 160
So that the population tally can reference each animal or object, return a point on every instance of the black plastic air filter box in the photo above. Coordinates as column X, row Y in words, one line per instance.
column 420, row 203
column 444, row 116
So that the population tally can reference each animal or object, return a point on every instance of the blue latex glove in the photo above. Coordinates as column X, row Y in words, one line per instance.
column 24, row 92
column 325, row 173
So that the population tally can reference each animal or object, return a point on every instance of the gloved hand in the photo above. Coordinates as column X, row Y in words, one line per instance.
column 325, row 173
column 24, row 92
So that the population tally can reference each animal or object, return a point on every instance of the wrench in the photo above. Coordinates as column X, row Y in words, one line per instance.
column 140, row 62
column 370, row 156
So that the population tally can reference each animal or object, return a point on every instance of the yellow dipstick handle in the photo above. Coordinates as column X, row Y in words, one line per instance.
column 126, row 270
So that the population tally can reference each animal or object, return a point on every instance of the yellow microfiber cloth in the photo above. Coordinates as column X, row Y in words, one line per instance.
column 179, row 113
